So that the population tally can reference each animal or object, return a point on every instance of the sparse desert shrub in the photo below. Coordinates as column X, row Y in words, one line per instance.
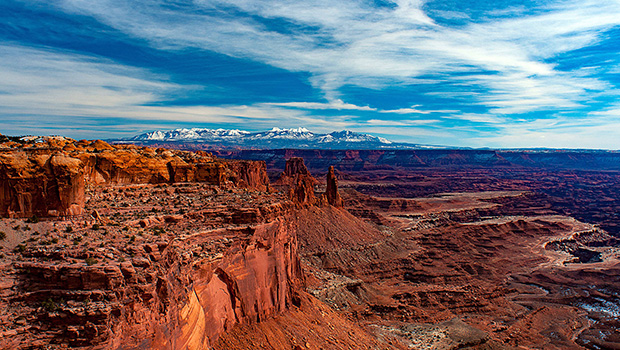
column 90, row 261
column 50, row 305
column 69, row 229
column 95, row 227
column 2, row 235
column 158, row 231
column 20, row 248
column 33, row 219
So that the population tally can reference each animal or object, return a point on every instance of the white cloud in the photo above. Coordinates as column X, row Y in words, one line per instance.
column 414, row 110
column 502, row 64
column 335, row 104
column 478, row 118
column 352, row 42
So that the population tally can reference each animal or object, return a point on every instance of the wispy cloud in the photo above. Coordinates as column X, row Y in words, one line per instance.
column 414, row 110
column 355, row 43
column 335, row 104
column 502, row 77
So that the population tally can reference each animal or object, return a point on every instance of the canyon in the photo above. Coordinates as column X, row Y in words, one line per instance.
column 128, row 247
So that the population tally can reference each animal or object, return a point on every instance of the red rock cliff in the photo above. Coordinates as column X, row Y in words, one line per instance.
column 40, row 184
column 331, row 192
column 248, row 174
column 179, row 294
column 48, row 178
column 300, row 182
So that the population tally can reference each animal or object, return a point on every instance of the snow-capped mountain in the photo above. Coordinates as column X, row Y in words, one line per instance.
column 299, row 138
column 192, row 134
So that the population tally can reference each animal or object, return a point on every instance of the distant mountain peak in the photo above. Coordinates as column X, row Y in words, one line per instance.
column 276, row 137
column 299, row 130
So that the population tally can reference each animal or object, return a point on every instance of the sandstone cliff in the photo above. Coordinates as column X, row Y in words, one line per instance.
column 299, row 181
column 301, row 185
column 331, row 193
column 33, row 183
column 177, row 294
column 46, row 177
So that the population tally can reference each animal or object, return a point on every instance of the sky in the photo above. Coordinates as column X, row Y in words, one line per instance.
column 499, row 74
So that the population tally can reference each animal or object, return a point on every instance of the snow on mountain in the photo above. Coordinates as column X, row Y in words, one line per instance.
column 271, row 139
column 190, row 134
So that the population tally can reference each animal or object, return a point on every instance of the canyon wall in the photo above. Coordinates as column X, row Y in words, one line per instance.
column 42, row 184
column 48, row 179
column 179, row 294
column 352, row 160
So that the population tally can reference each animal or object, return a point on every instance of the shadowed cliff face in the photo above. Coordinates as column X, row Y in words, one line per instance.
column 179, row 282
column 251, row 280
column 48, row 178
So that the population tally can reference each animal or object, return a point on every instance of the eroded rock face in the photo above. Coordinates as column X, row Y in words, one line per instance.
column 300, row 182
column 248, row 174
column 303, row 191
column 169, row 294
column 40, row 184
column 254, row 280
column 294, row 166
column 331, row 192
column 47, row 178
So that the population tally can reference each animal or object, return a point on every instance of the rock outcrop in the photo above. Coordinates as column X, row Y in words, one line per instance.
column 248, row 174
column 255, row 279
column 176, row 294
column 299, row 181
column 47, row 176
column 40, row 184
column 331, row 192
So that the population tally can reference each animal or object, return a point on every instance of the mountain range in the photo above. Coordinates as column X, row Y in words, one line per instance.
column 276, row 138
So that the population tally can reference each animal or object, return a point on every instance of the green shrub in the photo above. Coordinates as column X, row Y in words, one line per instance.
column 90, row 261
column 50, row 305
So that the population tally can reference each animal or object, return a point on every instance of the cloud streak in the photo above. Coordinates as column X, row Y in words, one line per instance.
column 355, row 43
column 508, row 73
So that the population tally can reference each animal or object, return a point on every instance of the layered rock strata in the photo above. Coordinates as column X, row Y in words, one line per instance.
column 163, row 287
column 47, row 177
column 331, row 193
column 299, row 181
column 301, row 185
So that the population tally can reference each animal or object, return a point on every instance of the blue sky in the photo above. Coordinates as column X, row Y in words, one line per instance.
column 463, row 73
